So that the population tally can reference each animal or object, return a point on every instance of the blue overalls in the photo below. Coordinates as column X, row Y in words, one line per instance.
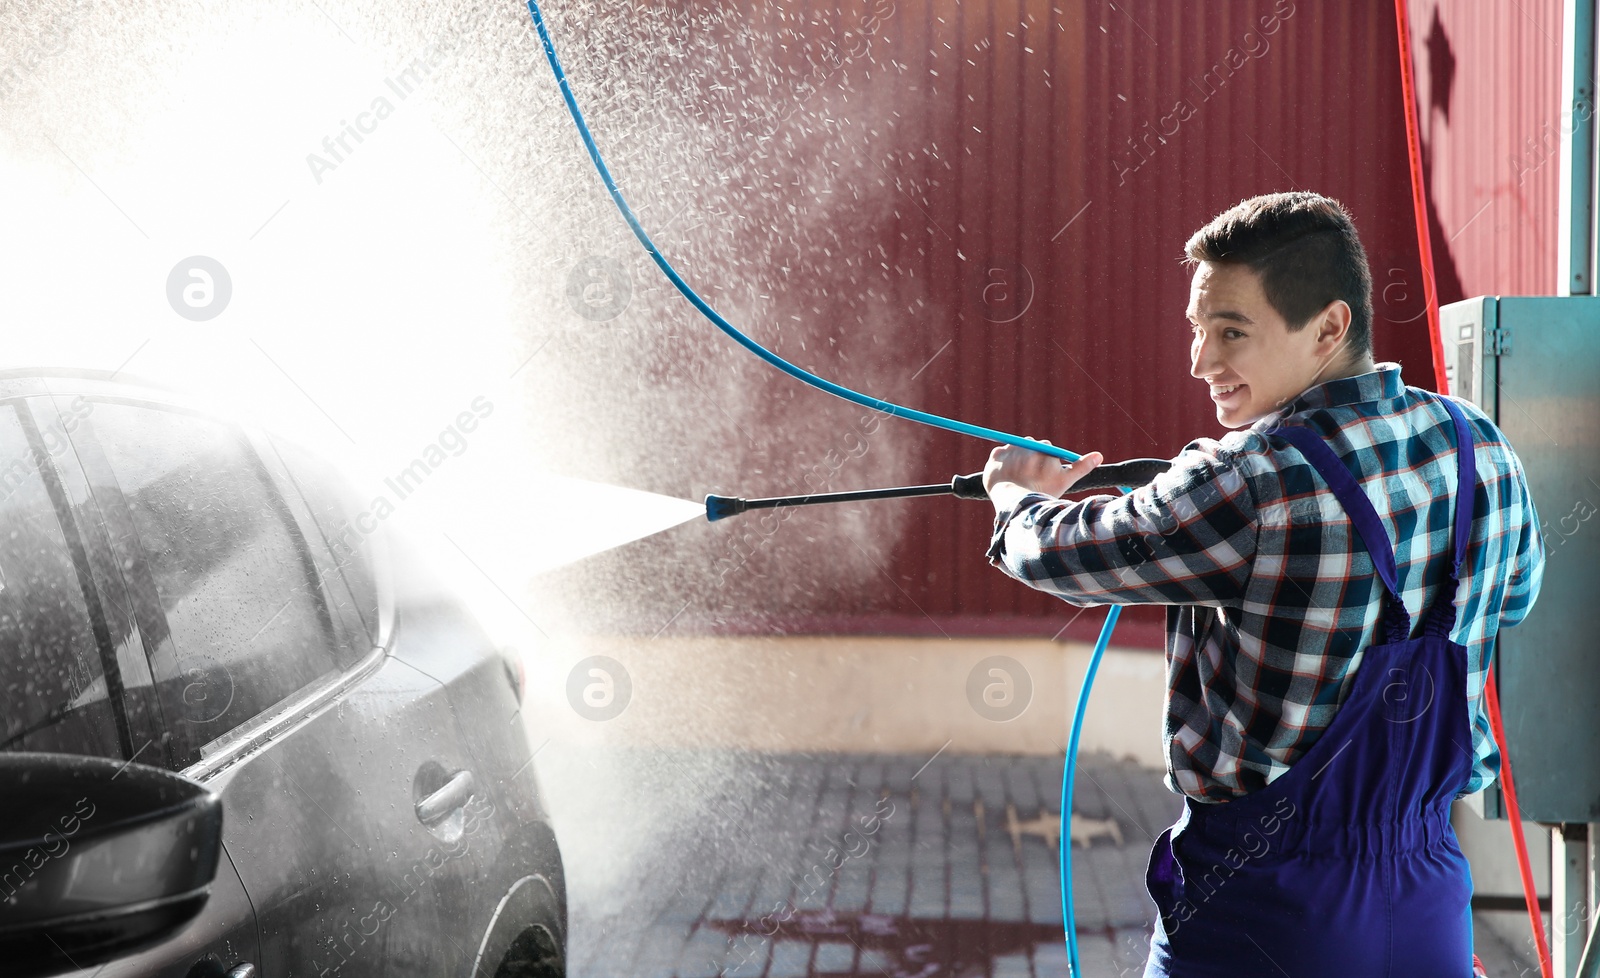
column 1346, row 864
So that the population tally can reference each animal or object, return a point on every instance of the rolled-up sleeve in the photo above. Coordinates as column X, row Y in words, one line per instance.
column 1186, row 538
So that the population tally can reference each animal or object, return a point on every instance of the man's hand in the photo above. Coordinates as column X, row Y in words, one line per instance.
column 1035, row 471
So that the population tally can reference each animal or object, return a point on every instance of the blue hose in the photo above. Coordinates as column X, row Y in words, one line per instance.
column 911, row 414
column 949, row 424
column 1067, row 777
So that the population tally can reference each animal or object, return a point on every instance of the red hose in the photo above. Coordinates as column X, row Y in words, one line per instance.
column 1529, row 894
column 1442, row 384
column 1418, row 205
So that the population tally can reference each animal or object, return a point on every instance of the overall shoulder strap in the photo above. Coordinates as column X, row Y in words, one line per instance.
column 1466, row 484
column 1442, row 616
column 1355, row 502
column 1363, row 516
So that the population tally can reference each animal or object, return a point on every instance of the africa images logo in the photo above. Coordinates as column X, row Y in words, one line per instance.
column 199, row 288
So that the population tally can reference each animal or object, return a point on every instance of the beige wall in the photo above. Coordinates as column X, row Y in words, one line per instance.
column 899, row 695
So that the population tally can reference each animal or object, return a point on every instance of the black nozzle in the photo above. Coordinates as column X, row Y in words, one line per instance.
column 719, row 506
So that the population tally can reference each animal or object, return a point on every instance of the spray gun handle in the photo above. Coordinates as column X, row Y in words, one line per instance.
column 969, row 486
column 1111, row 475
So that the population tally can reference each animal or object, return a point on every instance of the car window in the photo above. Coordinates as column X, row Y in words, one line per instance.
column 246, row 623
column 348, row 526
column 52, row 673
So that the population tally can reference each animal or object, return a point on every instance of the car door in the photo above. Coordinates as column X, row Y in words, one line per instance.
column 72, row 669
column 349, row 802
column 439, row 637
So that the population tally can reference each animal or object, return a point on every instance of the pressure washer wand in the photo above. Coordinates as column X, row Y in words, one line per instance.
column 1133, row 472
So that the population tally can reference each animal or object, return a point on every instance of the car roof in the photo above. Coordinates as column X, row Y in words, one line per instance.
column 30, row 381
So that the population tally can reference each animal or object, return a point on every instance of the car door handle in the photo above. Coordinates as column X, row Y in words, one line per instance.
column 244, row 970
column 455, row 793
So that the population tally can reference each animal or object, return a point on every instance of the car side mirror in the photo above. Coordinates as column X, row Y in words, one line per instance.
column 98, row 858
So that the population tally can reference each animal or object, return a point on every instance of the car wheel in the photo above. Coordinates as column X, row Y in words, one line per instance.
column 534, row 954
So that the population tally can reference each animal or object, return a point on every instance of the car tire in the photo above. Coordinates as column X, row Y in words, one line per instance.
column 534, row 954
column 527, row 938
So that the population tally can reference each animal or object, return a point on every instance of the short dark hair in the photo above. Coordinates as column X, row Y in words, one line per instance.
column 1305, row 249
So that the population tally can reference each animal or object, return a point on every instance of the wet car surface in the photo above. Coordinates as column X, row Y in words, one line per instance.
column 184, row 594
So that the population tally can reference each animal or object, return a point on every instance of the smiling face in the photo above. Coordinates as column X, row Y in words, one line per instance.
column 1245, row 352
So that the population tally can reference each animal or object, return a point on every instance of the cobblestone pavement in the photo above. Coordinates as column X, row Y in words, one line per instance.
column 768, row 866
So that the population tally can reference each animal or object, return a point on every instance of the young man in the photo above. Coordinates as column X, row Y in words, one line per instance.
column 1317, row 744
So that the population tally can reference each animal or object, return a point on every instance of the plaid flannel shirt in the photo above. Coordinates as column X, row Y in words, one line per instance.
column 1274, row 597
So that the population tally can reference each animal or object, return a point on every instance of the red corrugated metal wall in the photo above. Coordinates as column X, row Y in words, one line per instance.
column 1489, row 91
column 1085, row 142
column 1045, row 163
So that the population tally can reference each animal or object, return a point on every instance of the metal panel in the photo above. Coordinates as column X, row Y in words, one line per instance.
column 1548, row 403
column 1464, row 326
column 1545, row 395
column 1575, row 215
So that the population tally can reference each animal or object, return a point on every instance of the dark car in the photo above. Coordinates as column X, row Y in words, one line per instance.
column 201, row 623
